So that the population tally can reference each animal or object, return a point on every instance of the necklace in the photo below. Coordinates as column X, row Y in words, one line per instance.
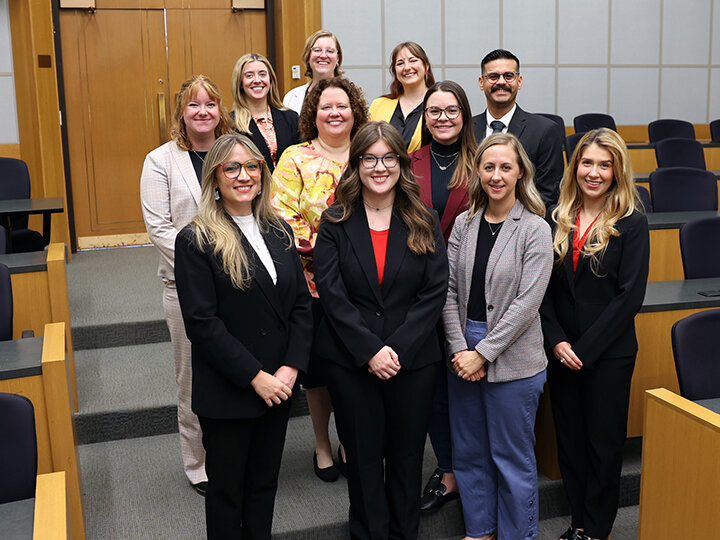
column 445, row 168
column 376, row 208
column 199, row 156
column 494, row 232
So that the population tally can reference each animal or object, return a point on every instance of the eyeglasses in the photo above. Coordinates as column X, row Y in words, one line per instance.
column 231, row 169
column 493, row 77
column 452, row 112
column 370, row 162
column 319, row 50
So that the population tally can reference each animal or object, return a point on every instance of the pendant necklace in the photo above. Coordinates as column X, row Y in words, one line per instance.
column 445, row 168
column 376, row 208
column 199, row 156
column 496, row 230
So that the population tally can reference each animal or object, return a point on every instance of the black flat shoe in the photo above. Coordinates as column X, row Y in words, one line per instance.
column 433, row 482
column 434, row 499
column 573, row 534
column 200, row 488
column 341, row 465
column 328, row 474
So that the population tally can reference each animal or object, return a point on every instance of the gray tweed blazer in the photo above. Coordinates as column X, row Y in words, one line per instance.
column 517, row 275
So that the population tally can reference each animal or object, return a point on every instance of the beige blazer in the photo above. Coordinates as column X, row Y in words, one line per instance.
column 518, row 271
column 169, row 193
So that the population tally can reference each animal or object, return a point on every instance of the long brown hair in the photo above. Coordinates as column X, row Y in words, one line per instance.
column 396, row 88
column 188, row 91
column 240, row 107
column 464, row 172
column 407, row 191
column 621, row 199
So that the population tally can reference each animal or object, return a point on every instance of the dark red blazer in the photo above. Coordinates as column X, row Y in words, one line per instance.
column 457, row 201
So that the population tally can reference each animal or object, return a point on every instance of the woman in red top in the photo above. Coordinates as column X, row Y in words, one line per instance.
column 602, row 250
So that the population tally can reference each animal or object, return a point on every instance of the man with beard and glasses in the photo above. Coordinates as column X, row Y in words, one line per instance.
column 542, row 138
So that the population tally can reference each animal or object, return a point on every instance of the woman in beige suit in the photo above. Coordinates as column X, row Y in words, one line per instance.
column 500, row 254
column 169, row 193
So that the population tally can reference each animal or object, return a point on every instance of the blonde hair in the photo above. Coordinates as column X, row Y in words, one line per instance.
column 310, row 41
column 621, row 199
column 525, row 190
column 188, row 91
column 240, row 107
column 214, row 226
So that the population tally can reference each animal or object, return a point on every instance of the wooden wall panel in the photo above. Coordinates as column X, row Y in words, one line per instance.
column 295, row 20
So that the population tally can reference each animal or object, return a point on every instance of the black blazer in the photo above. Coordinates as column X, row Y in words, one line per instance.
column 596, row 315
column 360, row 317
column 543, row 141
column 236, row 333
column 286, row 131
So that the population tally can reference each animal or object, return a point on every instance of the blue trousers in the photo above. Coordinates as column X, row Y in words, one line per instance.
column 493, row 439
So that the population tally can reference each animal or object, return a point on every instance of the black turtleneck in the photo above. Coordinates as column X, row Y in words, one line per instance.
column 446, row 155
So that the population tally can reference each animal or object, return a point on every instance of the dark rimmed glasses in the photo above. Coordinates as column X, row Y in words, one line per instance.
column 370, row 162
column 452, row 112
column 231, row 169
column 493, row 77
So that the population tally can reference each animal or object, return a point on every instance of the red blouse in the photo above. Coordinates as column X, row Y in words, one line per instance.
column 578, row 243
column 379, row 242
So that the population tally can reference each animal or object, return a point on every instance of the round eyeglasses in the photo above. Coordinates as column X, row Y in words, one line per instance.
column 370, row 162
column 231, row 169
column 451, row 112
column 493, row 77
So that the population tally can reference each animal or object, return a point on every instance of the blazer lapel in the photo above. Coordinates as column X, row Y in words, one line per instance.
column 396, row 249
column 358, row 233
column 517, row 123
column 568, row 265
column 457, row 199
column 506, row 232
column 421, row 168
column 187, row 171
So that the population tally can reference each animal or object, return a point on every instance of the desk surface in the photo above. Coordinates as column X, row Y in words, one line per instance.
column 712, row 404
column 19, row 263
column 51, row 205
column 675, row 220
column 674, row 295
column 16, row 519
column 21, row 358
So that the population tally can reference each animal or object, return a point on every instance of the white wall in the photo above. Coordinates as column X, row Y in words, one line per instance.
column 638, row 60
column 8, row 109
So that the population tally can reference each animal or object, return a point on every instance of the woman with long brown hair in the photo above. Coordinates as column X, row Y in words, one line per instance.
column 381, row 272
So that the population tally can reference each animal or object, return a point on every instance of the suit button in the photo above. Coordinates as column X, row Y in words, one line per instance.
column 378, row 313
column 490, row 308
column 263, row 332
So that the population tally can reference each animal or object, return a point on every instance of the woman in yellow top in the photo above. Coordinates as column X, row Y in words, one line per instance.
column 402, row 106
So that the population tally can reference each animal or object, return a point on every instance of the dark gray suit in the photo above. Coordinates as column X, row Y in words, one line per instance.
column 543, row 141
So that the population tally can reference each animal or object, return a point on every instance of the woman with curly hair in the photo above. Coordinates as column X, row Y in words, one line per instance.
column 304, row 186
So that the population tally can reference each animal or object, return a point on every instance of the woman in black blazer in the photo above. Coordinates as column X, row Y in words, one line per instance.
column 381, row 271
column 258, row 111
column 234, row 259
column 602, row 248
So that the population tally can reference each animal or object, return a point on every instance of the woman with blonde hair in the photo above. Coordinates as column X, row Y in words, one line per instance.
column 601, row 244
column 169, row 195
column 258, row 111
column 382, row 278
column 500, row 254
column 238, row 257
column 322, row 58
column 411, row 77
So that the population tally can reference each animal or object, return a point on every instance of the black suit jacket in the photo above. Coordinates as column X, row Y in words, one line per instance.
column 286, row 131
column 543, row 141
column 236, row 333
column 596, row 315
column 360, row 317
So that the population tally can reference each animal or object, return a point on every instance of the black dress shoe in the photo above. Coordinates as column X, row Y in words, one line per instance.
column 433, row 482
column 328, row 474
column 573, row 534
column 341, row 465
column 435, row 498
column 200, row 488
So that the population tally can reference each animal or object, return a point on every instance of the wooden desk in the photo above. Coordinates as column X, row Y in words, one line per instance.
column 665, row 257
column 28, row 207
column 44, row 517
column 37, row 369
column 680, row 478
column 40, row 296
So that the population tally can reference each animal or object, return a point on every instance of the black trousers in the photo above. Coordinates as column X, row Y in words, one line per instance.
column 590, row 408
column 242, row 464
column 383, row 425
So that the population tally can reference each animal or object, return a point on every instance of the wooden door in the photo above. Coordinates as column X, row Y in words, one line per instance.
column 123, row 68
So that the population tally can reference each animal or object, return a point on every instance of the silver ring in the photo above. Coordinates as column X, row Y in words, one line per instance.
column 562, row 360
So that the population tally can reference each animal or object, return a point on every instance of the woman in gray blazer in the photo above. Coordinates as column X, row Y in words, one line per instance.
column 500, row 254
column 169, row 194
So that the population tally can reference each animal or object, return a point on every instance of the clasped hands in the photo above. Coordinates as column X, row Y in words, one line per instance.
column 469, row 365
column 384, row 364
column 274, row 389
column 563, row 351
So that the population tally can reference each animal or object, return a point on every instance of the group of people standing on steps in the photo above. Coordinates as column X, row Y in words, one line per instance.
column 418, row 270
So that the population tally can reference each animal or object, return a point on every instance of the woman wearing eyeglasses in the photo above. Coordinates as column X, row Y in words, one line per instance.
column 322, row 58
column 258, row 111
column 238, row 257
column 443, row 169
column 402, row 106
column 304, row 186
column 381, row 271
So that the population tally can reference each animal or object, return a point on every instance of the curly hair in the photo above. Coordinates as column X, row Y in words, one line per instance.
column 188, row 91
column 308, row 127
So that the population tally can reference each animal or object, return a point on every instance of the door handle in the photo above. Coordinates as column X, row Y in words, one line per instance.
column 163, row 117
